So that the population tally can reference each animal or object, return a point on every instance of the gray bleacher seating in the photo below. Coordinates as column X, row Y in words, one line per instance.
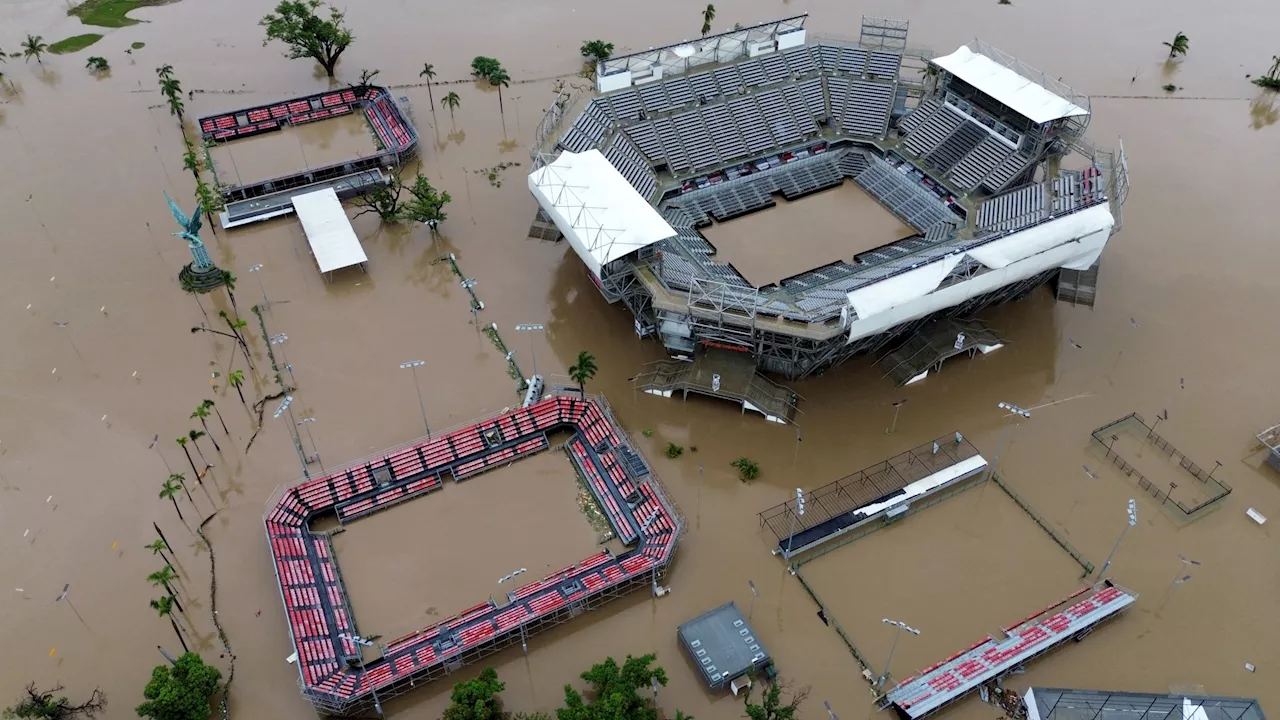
column 852, row 60
column 624, row 105
column 799, row 60
column 724, row 132
column 775, row 68
column 674, row 150
column 643, row 135
column 624, row 156
column 883, row 64
column 1006, row 171
column 932, row 132
column 778, row 118
column 965, row 138
column 866, row 110
column 979, row 162
column 815, row 100
column 918, row 115
column 697, row 141
column 1013, row 210
column 902, row 195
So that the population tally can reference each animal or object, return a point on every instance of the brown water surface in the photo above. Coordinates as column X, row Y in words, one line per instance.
column 293, row 149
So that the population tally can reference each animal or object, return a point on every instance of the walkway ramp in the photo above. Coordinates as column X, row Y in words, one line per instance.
column 1078, row 287
column 935, row 343
column 723, row 374
column 989, row 659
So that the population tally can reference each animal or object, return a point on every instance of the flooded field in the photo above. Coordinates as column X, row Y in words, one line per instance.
column 294, row 148
column 432, row 557
column 793, row 237
column 99, row 359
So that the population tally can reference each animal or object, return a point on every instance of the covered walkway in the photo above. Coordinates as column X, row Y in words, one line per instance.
column 333, row 242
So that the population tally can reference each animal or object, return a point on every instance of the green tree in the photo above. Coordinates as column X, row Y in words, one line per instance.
column 33, row 47
column 748, row 469
column 97, row 64
column 383, row 199
column 180, row 691
column 615, row 691
column 211, row 405
column 195, row 436
column 452, row 102
column 708, row 14
column 182, row 442
column 1181, row 43
column 191, row 161
column 500, row 79
column 1271, row 79
column 170, row 491
column 308, row 35
column 477, row 699
column 157, row 547
column 164, row 72
column 771, row 706
column 482, row 67
column 583, row 370
column 429, row 72
column 202, row 413
column 38, row 704
column 426, row 204
column 162, row 578
column 598, row 50
column 236, row 378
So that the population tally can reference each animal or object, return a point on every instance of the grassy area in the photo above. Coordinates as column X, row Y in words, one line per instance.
column 73, row 44
column 111, row 13
column 138, row 45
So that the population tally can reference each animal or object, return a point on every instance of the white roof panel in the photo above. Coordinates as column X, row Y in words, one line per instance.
column 1020, row 94
column 600, row 214
column 328, row 230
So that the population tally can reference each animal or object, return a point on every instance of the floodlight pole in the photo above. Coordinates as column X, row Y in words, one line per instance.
column 901, row 626
column 896, row 408
column 280, row 339
column 293, row 429
column 1015, row 412
column 255, row 269
column 754, row 594
column 791, row 537
column 306, row 423
column 377, row 704
column 1133, row 520
column 413, row 366
column 533, row 353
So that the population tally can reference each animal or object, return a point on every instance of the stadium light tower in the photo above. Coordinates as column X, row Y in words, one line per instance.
column 1133, row 520
column 377, row 704
column 791, row 538
column 897, row 633
column 412, row 366
column 1014, row 412
column 533, row 353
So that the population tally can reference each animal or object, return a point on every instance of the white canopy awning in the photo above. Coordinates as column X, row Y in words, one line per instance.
column 598, row 211
column 905, row 287
column 1020, row 94
column 333, row 242
column 1075, row 227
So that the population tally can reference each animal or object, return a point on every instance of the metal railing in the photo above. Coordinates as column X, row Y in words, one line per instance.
column 1216, row 489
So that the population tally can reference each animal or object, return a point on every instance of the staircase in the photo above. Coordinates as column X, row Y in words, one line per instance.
column 721, row 374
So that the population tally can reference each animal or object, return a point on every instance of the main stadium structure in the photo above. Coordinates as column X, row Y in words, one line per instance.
column 980, row 161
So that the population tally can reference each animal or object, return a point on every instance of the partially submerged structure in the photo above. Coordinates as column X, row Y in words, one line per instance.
column 1041, row 703
column 982, row 158
column 723, row 646
column 263, row 198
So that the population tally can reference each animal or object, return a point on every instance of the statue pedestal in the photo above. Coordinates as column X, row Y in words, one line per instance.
column 200, row 281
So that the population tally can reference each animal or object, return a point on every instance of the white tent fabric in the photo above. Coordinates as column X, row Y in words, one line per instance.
column 1033, row 241
column 328, row 230
column 880, row 296
column 1018, row 93
column 598, row 211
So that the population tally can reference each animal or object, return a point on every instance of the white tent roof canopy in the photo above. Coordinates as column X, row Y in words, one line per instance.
column 600, row 213
column 1020, row 94
column 328, row 230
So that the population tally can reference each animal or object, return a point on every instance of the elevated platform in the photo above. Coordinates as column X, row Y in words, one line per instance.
column 311, row 585
column 879, row 493
column 1041, row 703
column 933, row 345
column 989, row 659
column 723, row 646
column 724, row 374
column 1271, row 439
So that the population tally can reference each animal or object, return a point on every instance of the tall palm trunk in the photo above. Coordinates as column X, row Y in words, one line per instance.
column 210, row 435
column 179, row 511
column 190, row 499
column 194, row 471
column 224, row 422
column 242, row 400
column 206, row 462
column 500, row 110
column 178, row 632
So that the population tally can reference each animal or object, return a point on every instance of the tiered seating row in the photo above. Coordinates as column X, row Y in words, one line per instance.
column 383, row 500
column 252, row 121
column 605, row 493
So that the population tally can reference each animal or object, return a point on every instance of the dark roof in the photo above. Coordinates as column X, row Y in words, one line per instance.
column 1062, row 704
column 722, row 645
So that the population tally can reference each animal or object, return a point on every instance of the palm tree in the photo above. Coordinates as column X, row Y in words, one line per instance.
column 170, row 86
column 229, row 282
column 157, row 548
column 34, row 46
column 708, row 14
column 1179, row 45
column 451, row 101
column 176, row 107
column 182, row 480
column 164, row 606
column 170, row 490
column 202, row 413
column 583, row 370
column 236, row 378
column 164, row 72
column 209, row 405
column 195, row 436
column 182, row 441
column 162, row 577
column 500, row 79
column 428, row 72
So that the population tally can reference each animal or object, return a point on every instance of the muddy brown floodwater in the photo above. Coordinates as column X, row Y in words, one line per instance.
column 85, row 242
column 293, row 148
column 423, row 561
column 793, row 237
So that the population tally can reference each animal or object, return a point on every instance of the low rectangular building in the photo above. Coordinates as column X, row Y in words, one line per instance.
column 723, row 646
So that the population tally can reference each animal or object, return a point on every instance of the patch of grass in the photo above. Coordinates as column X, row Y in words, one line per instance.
column 73, row 44
column 674, row 451
column 138, row 45
column 1170, row 87
column 111, row 13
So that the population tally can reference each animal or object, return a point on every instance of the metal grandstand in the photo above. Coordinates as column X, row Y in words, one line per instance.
column 714, row 128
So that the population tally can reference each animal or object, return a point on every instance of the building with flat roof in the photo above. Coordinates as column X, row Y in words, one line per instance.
column 723, row 646
column 1060, row 704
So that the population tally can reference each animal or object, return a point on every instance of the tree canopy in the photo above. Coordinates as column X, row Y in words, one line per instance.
column 307, row 34
column 36, row 704
column 771, row 706
column 477, row 699
column 180, row 691
column 483, row 67
column 426, row 204
column 615, row 691
column 597, row 49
